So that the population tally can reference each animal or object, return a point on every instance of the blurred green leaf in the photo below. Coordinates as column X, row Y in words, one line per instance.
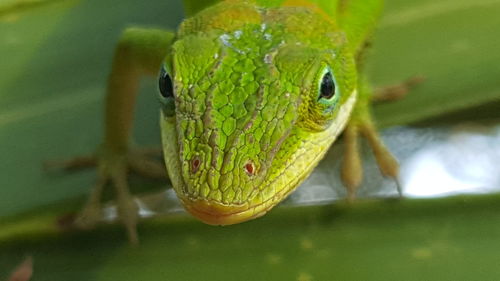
column 452, row 43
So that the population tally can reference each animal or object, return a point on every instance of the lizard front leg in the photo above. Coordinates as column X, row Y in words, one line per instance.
column 361, row 124
column 140, row 52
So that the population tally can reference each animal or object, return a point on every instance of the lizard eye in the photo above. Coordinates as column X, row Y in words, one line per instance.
column 328, row 87
column 166, row 92
column 165, row 83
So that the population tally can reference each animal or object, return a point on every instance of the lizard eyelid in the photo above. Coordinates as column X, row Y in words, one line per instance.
column 328, row 92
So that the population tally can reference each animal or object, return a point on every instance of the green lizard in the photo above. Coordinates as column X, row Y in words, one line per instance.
column 252, row 94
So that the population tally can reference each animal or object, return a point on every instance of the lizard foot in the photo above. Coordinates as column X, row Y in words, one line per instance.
column 361, row 124
column 113, row 169
column 397, row 91
column 352, row 170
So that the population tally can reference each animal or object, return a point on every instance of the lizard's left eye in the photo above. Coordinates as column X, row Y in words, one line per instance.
column 165, row 84
column 328, row 88
column 166, row 92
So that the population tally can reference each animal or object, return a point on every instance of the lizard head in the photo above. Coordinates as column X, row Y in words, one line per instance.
column 249, row 109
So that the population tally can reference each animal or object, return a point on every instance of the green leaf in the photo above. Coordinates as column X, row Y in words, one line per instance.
column 452, row 44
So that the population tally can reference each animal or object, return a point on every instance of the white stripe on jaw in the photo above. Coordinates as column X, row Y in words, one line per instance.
column 345, row 110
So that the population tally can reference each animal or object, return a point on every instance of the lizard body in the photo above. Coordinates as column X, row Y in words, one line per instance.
column 252, row 94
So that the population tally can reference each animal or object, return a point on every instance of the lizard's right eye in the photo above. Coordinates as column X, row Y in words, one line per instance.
column 166, row 92
column 165, row 83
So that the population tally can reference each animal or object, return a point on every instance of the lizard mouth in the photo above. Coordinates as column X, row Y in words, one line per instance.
column 215, row 213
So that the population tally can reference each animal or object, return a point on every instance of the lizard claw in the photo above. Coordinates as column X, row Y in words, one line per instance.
column 352, row 169
column 113, row 169
column 361, row 124
column 397, row 91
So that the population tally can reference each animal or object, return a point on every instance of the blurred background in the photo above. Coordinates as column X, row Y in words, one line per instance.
column 54, row 61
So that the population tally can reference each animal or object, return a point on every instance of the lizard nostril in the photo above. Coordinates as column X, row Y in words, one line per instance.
column 195, row 164
column 250, row 168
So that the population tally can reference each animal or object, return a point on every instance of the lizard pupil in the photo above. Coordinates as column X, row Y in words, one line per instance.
column 165, row 84
column 327, row 90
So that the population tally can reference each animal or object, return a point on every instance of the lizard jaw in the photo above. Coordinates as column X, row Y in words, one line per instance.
column 219, row 214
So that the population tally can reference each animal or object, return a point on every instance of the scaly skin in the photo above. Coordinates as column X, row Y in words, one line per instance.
column 246, row 82
column 253, row 94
